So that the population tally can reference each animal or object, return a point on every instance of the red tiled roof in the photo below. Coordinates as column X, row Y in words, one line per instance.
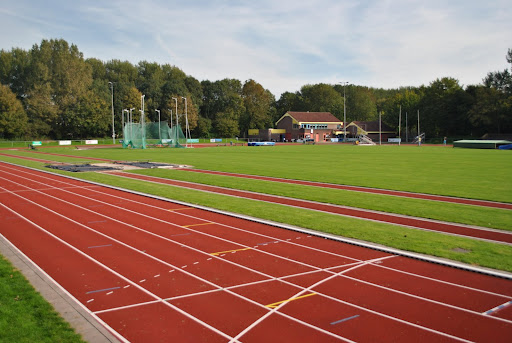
column 314, row 117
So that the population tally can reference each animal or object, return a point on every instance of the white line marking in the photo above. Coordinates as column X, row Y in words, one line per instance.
column 352, row 305
column 111, row 270
column 110, row 292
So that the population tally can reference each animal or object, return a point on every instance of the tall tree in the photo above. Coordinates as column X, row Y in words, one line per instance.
column 257, row 102
column 360, row 103
column 223, row 105
column 322, row 98
column 13, row 119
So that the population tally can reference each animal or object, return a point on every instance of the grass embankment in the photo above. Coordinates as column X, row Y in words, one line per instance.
column 25, row 316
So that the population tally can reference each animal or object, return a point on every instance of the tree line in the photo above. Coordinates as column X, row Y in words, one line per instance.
column 52, row 91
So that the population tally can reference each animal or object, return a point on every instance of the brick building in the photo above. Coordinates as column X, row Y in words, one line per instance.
column 318, row 126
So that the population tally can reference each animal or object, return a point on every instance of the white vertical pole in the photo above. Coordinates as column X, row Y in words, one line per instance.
column 113, row 132
column 400, row 126
column 380, row 128
column 159, row 135
column 419, row 123
column 406, row 129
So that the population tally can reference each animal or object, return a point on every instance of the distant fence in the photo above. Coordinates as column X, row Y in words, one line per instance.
column 102, row 141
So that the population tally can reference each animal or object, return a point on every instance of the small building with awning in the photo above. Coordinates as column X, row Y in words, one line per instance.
column 316, row 126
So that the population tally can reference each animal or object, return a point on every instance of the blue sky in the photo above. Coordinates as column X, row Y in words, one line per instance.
column 282, row 44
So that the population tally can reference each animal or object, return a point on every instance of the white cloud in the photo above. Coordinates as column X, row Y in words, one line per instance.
column 281, row 44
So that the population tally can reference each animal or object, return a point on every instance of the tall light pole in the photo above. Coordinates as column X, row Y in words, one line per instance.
column 344, row 83
column 122, row 120
column 113, row 132
column 176, row 100
column 187, row 135
column 176, row 131
column 159, row 136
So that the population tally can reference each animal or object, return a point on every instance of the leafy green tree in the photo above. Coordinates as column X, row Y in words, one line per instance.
column 442, row 108
column 226, row 123
column 360, row 103
column 257, row 102
column 287, row 102
column 407, row 100
column 13, row 119
column 492, row 111
column 322, row 98
column 203, row 128
column 223, row 105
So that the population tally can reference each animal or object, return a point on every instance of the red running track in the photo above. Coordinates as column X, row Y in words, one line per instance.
column 414, row 222
column 404, row 194
column 154, row 270
column 363, row 189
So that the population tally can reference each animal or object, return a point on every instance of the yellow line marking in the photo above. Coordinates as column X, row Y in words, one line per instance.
column 225, row 252
column 198, row 224
column 275, row 305
column 180, row 209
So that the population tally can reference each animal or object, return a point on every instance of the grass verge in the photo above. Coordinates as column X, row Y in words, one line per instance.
column 25, row 316
column 456, row 213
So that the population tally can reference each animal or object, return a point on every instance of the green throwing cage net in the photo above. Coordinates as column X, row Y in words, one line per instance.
column 139, row 135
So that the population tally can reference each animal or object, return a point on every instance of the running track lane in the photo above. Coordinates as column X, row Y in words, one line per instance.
column 423, row 196
column 414, row 222
column 211, row 306
column 363, row 189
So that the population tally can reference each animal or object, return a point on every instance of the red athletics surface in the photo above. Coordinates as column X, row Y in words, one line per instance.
column 154, row 270
column 363, row 189
column 456, row 200
column 425, row 224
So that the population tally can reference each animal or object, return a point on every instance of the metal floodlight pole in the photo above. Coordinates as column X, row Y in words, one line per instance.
column 176, row 131
column 159, row 135
column 344, row 83
column 380, row 128
column 176, row 100
column 400, row 126
column 187, row 135
column 131, row 122
column 122, row 121
column 113, row 132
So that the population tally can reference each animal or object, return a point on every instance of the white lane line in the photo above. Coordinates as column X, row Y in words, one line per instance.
column 249, row 232
column 113, row 271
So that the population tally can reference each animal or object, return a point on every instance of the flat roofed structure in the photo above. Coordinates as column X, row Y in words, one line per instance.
column 480, row 144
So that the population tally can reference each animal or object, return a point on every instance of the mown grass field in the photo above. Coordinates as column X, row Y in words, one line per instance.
column 478, row 174
column 470, row 173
